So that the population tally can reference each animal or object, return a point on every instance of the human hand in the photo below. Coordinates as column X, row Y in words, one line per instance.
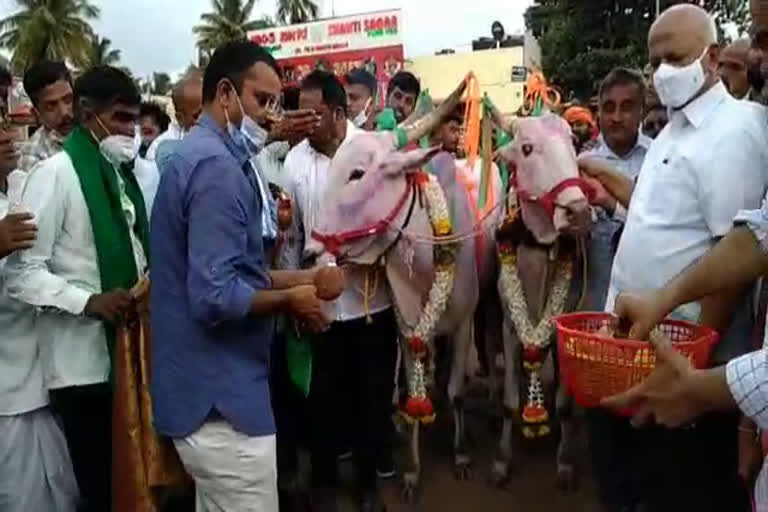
column 295, row 125
column 304, row 304
column 17, row 232
column 669, row 394
column 601, row 197
column 641, row 312
column 329, row 281
column 109, row 306
column 9, row 157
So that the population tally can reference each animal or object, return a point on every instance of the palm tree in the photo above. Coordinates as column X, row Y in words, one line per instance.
column 229, row 21
column 296, row 11
column 100, row 54
column 54, row 29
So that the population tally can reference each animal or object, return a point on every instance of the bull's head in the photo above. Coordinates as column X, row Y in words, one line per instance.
column 545, row 176
column 369, row 189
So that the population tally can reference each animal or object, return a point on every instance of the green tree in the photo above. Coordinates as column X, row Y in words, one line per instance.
column 161, row 83
column 229, row 21
column 54, row 29
column 296, row 11
column 101, row 53
column 582, row 41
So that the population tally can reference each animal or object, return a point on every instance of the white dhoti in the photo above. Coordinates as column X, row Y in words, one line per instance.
column 233, row 472
column 35, row 469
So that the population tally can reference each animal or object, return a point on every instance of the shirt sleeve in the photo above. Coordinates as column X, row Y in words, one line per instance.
column 29, row 277
column 748, row 381
column 217, row 243
column 735, row 180
column 757, row 222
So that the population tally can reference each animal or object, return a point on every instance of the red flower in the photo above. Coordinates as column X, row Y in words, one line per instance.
column 532, row 353
column 418, row 347
column 419, row 407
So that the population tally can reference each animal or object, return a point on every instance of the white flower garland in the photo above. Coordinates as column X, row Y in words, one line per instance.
column 513, row 296
column 420, row 336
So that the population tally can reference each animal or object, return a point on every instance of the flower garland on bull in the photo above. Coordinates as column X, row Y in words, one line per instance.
column 536, row 339
column 418, row 405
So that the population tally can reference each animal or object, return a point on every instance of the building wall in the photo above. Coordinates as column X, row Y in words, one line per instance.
column 493, row 69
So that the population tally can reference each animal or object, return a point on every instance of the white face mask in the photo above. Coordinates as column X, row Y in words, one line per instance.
column 677, row 85
column 120, row 149
column 362, row 117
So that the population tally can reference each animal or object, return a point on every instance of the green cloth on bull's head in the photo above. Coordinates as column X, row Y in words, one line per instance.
column 298, row 358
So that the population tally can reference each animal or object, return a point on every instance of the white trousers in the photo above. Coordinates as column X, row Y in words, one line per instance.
column 35, row 469
column 232, row 471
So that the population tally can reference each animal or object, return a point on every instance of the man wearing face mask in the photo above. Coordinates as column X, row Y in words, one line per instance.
column 213, row 298
column 91, row 248
column 361, row 92
column 49, row 86
column 698, row 173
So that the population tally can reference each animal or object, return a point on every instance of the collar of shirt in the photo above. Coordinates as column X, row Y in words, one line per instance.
column 702, row 107
column 207, row 122
column 604, row 150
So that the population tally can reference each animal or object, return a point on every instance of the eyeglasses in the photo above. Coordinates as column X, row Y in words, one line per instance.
column 272, row 105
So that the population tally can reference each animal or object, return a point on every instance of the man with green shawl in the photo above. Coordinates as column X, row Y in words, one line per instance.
column 90, row 249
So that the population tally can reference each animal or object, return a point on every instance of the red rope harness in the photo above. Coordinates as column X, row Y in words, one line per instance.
column 549, row 200
column 334, row 241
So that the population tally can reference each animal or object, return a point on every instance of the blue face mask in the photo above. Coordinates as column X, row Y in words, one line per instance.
column 250, row 136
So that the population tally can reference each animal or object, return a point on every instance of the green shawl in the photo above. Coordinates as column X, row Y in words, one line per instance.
column 114, row 251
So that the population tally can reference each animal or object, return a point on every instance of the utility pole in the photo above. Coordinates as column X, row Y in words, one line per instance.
column 658, row 9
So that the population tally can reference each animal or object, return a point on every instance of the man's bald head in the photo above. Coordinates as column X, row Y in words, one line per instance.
column 187, row 99
column 732, row 67
column 682, row 35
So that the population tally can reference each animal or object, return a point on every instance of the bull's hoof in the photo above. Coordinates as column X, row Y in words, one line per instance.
column 410, row 486
column 500, row 474
column 567, row 480
column 462, row 467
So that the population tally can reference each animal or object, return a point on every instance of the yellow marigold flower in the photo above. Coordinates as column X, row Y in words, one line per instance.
column 442, row 227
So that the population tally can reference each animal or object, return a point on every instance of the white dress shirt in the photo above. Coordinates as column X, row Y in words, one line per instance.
column 22, row 388
column 306, row 173
column 174, row 132
column 706, row 165
column 60, row 273
column 630, row 164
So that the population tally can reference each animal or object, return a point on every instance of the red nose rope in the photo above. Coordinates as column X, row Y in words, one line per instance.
column 334, row 241
column 549, row 200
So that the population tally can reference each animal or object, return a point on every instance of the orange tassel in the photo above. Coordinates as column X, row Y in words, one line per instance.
column 472, row 119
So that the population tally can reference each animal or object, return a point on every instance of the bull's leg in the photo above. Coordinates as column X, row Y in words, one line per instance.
column 567, row 477
column 462, row 342
column 492, row 338
column 412, row 473
column 500, row 471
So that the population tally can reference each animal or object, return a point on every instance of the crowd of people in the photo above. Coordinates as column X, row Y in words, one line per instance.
column 219, row 203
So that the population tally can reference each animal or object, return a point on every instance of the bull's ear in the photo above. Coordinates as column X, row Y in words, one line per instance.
column 405, row 161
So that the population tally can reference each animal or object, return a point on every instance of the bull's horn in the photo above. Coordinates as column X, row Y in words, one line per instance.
column 416, row 129
column 498, row 119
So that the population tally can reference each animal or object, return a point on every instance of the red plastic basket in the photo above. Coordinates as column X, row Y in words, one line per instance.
column 596, row 366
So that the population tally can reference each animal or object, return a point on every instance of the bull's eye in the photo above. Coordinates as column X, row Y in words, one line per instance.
column 357, row 174
column 527, row 149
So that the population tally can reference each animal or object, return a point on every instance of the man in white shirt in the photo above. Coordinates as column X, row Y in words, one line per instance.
column 90, row 249
column 187, row 105
column 353, row 363
column 49, row 86
column 36, row 471
column 706, row 165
